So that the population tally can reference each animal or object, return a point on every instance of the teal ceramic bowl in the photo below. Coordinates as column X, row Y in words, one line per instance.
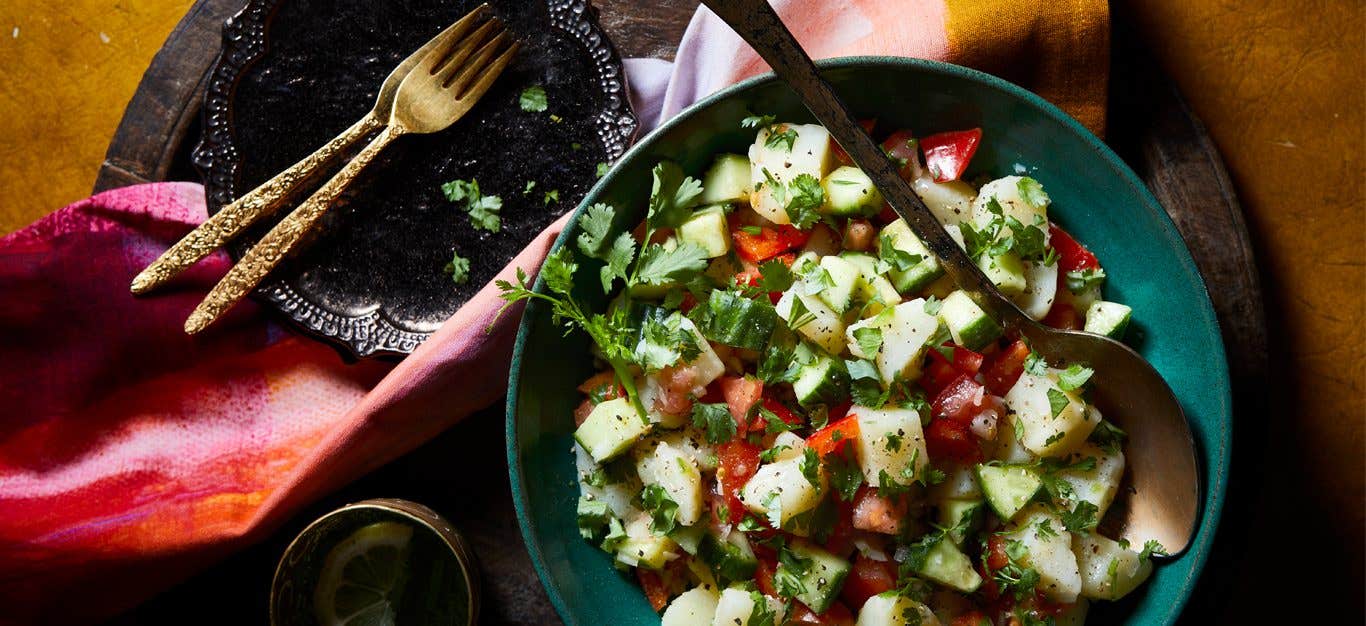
column 1095, row 196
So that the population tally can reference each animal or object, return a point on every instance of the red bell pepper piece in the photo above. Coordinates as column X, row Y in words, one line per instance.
column 1004, row 368
column 834, row 437
column 770, row 241
column 947, row 154
column 1072, row 256
column 836, row 615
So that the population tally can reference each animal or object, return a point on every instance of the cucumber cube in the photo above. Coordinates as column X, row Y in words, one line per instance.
column 947, row 565
column 1006, row 271
column 918, row 276
column 822, row 582
column 961, row 516
column 846, row 279
column 875, row 288
column 727, row 180
column 611, row 428
column 1008, row 489
column 707, row 228
column 848, row 191
column 968, row 324
column 824, row 381
column 1108, row 318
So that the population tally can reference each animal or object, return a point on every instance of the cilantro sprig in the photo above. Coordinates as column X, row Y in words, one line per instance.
column 483, row 210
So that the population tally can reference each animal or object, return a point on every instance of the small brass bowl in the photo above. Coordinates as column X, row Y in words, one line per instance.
column 442, row 584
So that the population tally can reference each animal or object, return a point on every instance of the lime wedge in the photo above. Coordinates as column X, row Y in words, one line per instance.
column 363, row 576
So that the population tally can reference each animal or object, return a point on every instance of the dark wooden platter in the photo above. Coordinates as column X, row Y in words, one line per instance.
column 1149, row 125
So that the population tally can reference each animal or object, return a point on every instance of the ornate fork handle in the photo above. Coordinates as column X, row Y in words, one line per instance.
column 283, row 238
column 245, row 211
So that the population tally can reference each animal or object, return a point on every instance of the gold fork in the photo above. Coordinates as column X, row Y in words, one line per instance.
column 443, row 86
column 267, row 198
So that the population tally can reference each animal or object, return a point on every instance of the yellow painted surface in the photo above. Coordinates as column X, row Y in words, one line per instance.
column 67, row 69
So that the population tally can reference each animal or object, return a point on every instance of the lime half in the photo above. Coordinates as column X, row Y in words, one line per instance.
column 362, row 578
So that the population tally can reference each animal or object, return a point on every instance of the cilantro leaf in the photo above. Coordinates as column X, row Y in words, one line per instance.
column 770, row 455
column 865, row 384
column 551, row 196
column 596, row 223
column 807, row 196
column 1108, row 436
column 1057, row 401
column 533, row 99
column 1032, row 192
column 892, row 258
column 869, row 340
column 1035, row 364
column 662, row 509
column 1074, row 377
column 672, row 196
column 1151, row 547
column 762, row 614
column 774, row 276
column 716, row 420
column 844, row 474
column 616, row 535
column 602, row 169
column 1081, row 519
column 783, row 138
column 811, row 467
column 665, row 342
column 757, row 121
column 659, row 265
column 483, row 210
column 458, row 268
column 592, row 516
column 618, row 260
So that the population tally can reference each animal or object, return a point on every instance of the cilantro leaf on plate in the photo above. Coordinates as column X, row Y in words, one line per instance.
column 533, row 99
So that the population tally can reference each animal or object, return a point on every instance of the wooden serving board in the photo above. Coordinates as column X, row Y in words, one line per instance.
column 1150, row 126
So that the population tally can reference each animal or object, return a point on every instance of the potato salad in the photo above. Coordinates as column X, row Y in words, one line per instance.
column 799, row 419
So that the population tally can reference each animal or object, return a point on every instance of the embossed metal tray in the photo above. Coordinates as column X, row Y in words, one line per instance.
column 293, row 73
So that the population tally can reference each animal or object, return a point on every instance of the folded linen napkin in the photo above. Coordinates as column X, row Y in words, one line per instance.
column 132, row 455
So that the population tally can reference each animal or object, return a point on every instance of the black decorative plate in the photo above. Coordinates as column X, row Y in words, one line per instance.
column 294, row 73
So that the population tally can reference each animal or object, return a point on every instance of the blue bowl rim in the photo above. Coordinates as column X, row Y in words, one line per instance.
column 1218, row 461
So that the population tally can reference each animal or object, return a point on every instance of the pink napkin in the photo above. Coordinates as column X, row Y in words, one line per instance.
column 132, row 456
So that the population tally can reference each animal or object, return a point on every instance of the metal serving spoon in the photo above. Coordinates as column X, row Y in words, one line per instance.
column 1163, row 502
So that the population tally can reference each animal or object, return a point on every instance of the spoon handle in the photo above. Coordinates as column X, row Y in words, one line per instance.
column 757, row 24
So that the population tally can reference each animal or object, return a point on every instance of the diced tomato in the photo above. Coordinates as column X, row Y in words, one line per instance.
column 763, row 575
column 654, row 589
column 1003, row 368
column 741, row 392
column 750, row 275
column 867, row 578
column 835, row 436
column 1045, row 606
column 777, row 408
column 942, row 371
column 582, row 411
column 947, row 154
column 839, row 411
column 971, row 618
column 770, row 241
column 964, row 360
column 836, row 615
column 1063, row 316
column 689, row 301
column 1072, row 256
column 737, row 461
column 875, row 513
column 901, row 146
column 996, row 552
column 961, row 400
column 841, row 156
column 949, row 439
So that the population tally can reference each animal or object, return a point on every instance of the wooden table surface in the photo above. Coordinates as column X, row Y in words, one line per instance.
column 1296, row 163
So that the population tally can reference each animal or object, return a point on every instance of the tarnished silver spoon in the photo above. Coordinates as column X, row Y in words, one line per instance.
column 1164, row 502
